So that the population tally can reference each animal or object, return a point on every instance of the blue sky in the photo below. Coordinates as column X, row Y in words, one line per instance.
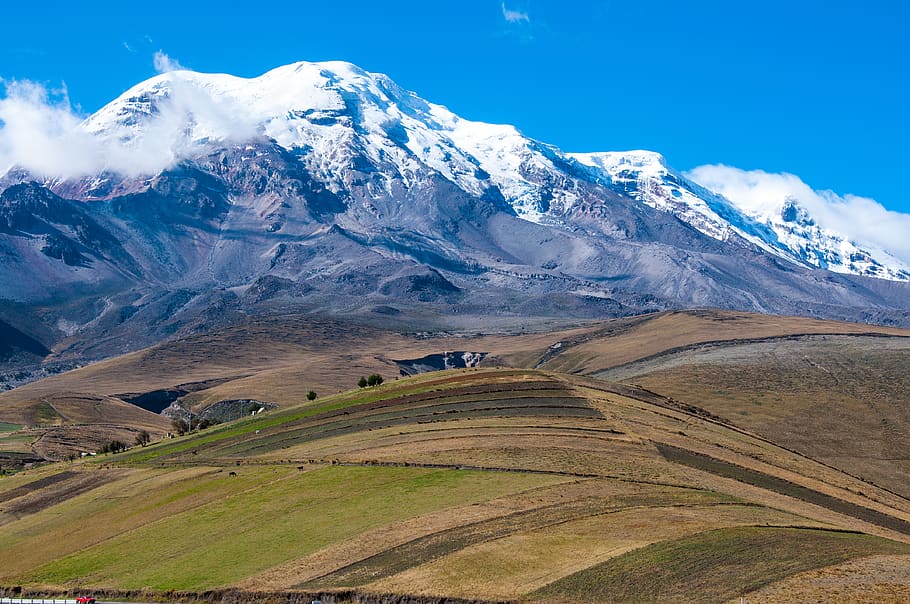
column 817, row 89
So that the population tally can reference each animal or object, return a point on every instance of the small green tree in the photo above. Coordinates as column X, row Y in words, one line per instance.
column 143, row 438
column 311, row 395
column 375, row 379
column 362, row 382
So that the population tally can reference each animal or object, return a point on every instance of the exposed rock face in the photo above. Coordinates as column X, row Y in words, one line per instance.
column 348, row 194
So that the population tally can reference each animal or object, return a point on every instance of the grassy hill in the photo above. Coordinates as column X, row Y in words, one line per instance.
column 688, row 456
column 482, row 484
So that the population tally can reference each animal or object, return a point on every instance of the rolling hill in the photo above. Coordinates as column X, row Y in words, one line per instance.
column 664, row 457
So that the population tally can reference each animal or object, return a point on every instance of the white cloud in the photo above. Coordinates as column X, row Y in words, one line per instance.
column 514, row 16
column 42, row 133
column 164, row 63
column 860, row 219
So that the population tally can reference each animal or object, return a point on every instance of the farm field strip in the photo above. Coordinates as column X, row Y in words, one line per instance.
column 396, row 441
column 442, row 544
column 715, row 565
column 308, row 411
column 706, row 436
column 784, row 487
column 509, row 566
column 338, row 419
column 377, row 541
column 285, row 439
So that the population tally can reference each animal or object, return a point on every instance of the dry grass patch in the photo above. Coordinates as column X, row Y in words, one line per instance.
column 623, row 341
column 872, row 580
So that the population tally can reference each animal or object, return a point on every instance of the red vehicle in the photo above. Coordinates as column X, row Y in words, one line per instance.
column 85, row 600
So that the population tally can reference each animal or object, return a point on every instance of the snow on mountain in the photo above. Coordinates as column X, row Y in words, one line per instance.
column 778, row 225
column 329, row 112
column 332, row 115
column 810, row 225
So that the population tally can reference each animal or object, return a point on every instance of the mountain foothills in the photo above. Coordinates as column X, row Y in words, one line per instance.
column 196, row 200
column 559, row 470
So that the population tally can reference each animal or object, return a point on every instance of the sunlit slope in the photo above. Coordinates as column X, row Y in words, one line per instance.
column 489, row 484
column 280, row 359
column 840, row 399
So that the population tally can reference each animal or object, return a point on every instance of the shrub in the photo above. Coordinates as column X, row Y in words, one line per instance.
column 374, row 379
column 311, row 395
column 362, row 382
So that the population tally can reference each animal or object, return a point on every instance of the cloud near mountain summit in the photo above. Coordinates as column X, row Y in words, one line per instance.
column 761, row 193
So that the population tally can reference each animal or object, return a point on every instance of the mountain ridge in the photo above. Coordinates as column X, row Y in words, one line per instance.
column 298, row 104
column 325, row 187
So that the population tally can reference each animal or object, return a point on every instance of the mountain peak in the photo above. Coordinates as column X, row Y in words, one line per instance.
column 339, row 121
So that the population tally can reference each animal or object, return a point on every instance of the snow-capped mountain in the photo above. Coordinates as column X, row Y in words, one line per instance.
column 784, row 228
column 330, row 113
column 323, row 186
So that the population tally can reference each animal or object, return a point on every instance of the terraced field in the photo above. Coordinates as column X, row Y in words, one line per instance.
column 480, row 484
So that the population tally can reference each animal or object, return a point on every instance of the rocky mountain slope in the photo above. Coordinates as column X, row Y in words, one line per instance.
column 319, row 186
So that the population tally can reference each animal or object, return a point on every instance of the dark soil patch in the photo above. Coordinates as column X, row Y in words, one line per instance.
column 784, row 487
column 35, row 486
column 234, row 596
column 42, row 494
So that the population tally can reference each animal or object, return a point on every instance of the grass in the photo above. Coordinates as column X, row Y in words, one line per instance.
column 16, row 443
column 44, row 413
column 7, row 427
column 126, row 500
column 713, row 566
column 290, row 515
column 361, row 489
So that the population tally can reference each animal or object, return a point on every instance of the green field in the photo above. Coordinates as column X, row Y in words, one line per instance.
column 278, row 514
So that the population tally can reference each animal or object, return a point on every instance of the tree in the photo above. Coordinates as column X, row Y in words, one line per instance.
column 185, row 426
column 114, row 446
column 311, row 395
column 375, row 379
column 362, row 382
column 143, row 438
